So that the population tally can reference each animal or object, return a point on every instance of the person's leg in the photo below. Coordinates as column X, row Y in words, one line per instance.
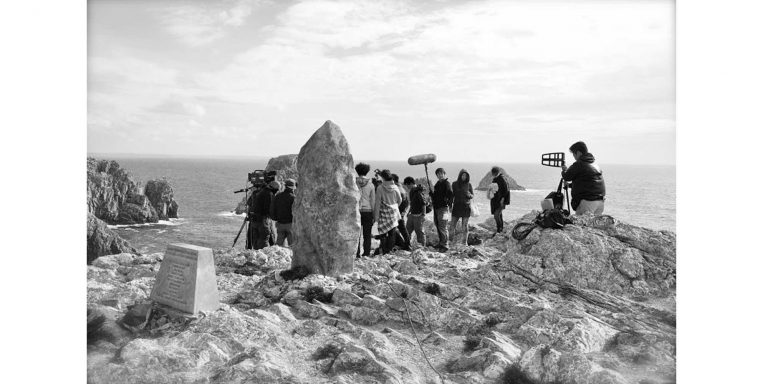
column 600, row 207
column 263, row 233
column 250, row 235
column 367, row 220
column 436, row 220
column 409, row 225
column 465, row 230
column 418, row 226
column 498, row 219
column 442, row 227
column 289, row 233
column 452, row 227
column 280, row 234
column 404, row 234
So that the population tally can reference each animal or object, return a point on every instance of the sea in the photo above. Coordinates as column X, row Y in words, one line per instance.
column 641, row 195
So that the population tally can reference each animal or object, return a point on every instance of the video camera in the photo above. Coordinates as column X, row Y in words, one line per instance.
column 259, row 179
column 555, row 199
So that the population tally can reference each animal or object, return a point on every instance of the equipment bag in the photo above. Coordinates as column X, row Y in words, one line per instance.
column 553, row 218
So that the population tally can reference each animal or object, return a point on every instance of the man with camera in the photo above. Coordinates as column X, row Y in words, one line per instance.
column 587, row 184
column 417, row 210
column 281, row 211
column 260, row 223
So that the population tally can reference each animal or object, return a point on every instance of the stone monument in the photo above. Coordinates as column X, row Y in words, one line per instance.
column 326, row 219
column 187, row 279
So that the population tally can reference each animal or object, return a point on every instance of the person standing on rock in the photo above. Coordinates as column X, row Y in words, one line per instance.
column 462, row 201
column 260, row 224
column 442, row 198
column 417, row 210
column 404, row 239
column 588, row 186
column 500, row 199
column 386, row 211
column 367, row 197
column 281, row 211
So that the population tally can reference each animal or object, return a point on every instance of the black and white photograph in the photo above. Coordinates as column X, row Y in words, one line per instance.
column 392, row 191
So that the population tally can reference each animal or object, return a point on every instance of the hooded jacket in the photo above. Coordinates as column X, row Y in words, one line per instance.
column 587, row 180
column 387, row 194
column 281, row 209
column 501, row 197
column 462, row 196
column 367, row 193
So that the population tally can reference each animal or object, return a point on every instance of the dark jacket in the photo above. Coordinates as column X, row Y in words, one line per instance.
column 501, row 198
column 260, row 203
column 462, row 196
column 282, row 207
column 418, row 203
column 587, row 178
column 403, row 207
column 442, row 195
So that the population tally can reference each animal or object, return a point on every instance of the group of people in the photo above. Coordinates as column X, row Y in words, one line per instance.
column 270, row 215
column 399, row 210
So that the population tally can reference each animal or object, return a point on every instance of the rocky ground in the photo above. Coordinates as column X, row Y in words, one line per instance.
column 593, row 303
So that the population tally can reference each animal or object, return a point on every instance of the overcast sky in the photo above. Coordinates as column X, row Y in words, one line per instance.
column 496, row 81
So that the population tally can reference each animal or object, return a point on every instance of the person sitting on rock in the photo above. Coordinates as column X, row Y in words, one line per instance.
column 367, row 196
column 281, row 211
column 588, row 186
column 500, row 199
column 462, row 201
column 260, row 224
column 403, row 241
column 417, row 210
column 442, row 198
column 386, row 211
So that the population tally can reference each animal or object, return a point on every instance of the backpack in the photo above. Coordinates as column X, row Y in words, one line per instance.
column 553, row 218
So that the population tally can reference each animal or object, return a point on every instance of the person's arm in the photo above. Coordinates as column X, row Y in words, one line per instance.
column 471, row 191
column 423, row 205
column 449, row 193
column 572, row 172
column 376, row 204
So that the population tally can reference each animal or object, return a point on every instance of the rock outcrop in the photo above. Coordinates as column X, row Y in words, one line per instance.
column 103, row 241
column 486, row 181
column 326, row 220
column 480, row 318
column 284, row 165
column 160, row 195
column 116, row 199
column 601, row 253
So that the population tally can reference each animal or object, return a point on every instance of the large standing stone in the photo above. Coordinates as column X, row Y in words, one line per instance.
column 326, row 219
column 187, row 279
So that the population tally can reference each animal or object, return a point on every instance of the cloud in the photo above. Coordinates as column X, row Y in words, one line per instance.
column 200, row 23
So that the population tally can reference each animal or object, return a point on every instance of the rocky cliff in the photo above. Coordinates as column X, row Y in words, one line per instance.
column 114, row 197
column 103, row 241
column 486, row 181
column 594, row 303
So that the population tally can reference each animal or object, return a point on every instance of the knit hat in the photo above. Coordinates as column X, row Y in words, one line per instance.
column 274, row 185
column 290, row 183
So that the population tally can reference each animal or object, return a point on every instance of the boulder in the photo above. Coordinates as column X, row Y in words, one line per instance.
column 486, row 181
column 160, row 194
column 600, row 254
column 326, row 219
column 103, row 241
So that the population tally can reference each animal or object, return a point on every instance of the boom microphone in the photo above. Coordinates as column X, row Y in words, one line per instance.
column 422, row 159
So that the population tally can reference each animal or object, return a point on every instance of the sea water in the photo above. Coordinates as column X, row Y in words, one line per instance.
column 642, row 195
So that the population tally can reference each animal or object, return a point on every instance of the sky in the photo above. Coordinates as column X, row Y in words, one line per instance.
column 475, row 81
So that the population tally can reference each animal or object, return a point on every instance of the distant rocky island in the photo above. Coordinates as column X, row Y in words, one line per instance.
column 486, row 181
column 113, row 197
